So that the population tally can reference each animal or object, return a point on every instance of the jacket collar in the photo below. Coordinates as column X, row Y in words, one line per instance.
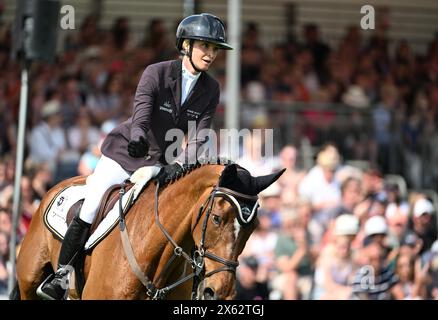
column 175, row 84
column 175, row 69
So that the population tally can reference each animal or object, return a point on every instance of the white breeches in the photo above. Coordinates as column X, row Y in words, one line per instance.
column 107, row 173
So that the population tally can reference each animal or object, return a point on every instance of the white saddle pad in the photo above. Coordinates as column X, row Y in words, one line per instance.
column 55, row 216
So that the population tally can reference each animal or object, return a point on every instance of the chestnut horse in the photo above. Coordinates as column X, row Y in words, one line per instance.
column 209, row 211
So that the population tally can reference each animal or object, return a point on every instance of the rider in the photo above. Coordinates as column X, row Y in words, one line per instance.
column 169, row 94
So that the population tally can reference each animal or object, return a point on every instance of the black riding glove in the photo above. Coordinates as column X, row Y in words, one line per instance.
column 168, row 172
column 138, row 149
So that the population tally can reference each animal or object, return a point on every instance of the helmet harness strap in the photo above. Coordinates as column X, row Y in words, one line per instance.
column 189, row 54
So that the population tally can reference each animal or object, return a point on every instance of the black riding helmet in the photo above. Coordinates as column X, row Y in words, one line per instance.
column 204, row 27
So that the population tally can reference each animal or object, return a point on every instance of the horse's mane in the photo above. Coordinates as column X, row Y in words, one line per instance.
column 188, row 168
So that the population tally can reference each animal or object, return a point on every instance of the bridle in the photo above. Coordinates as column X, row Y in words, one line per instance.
column 245, row 217
column 230, row 195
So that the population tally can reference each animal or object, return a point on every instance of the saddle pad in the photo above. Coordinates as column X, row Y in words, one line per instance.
column 55, row 216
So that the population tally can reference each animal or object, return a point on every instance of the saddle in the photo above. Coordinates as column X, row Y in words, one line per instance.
column 107, row 202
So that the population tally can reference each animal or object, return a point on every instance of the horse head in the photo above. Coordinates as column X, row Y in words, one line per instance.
column 223, row 225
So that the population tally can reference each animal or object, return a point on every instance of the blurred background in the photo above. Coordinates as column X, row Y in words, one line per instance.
column 354, row 114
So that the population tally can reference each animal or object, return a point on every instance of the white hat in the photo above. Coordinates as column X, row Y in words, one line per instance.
column 355, row 96
column 50, row 108
column 273, row 190
column 434, row 247
column 346, row 225
column 423, row 206
column 375, row 225
column 256, row 92
column 328, row 158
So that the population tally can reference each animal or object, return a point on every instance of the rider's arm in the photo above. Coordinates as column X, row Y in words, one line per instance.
column 143, row 103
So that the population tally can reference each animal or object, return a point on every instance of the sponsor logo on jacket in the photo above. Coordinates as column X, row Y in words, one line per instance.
column 193, row 114
column 167, row 107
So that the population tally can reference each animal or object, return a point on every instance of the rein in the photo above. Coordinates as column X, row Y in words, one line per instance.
column 197, row 260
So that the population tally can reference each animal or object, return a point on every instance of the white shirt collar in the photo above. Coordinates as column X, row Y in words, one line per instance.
column 188, row 75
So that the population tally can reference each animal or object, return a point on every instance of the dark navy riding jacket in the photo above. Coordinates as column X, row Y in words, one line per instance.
column 157, row 109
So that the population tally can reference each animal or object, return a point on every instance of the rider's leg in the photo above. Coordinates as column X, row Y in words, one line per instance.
column 107, row 173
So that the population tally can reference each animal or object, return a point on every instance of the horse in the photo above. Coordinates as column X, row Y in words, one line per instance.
column 209, row 210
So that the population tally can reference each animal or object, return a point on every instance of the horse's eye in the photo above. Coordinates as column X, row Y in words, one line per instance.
column 216, row 219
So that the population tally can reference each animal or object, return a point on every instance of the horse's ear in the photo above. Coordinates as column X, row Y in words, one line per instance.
column 263, row 182
column 228, row 175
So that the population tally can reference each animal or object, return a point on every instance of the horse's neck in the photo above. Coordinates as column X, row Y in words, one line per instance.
column 177, row 206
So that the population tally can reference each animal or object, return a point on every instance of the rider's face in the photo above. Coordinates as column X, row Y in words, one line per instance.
column 203, row 54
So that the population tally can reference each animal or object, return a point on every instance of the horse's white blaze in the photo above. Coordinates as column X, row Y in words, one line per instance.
column 236, row 228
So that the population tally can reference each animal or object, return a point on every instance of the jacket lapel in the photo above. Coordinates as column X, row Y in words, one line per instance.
column 175, row 86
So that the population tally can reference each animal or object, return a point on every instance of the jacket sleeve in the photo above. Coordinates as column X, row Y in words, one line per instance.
column 195, row 140
column 143, row 103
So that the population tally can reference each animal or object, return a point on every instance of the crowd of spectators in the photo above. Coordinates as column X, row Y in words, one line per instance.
column 302, row 248
column 338, row 232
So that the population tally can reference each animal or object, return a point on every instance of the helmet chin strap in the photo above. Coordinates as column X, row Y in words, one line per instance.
column 190, row 56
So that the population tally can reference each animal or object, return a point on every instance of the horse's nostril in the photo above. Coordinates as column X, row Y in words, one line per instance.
column 208, row 294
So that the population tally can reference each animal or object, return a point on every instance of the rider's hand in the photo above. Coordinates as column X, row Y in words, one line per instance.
column 168, row 172
column 139, row 148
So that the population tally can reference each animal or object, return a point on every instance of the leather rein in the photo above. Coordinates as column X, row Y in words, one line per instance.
column 197, row 259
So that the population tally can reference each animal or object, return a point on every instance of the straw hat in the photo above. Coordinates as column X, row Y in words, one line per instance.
column 328, row 158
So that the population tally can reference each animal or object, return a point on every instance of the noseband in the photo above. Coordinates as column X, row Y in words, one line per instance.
column 231, row 196
column 245, row 216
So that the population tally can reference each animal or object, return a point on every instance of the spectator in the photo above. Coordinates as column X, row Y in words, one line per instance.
column 382, row 116
column 374, row 280
column 372, row 182
column 291, row 179
column 319, row 49
column 270, row 201
column 42, row 180
column 293, row 259
column 4, row 241
column 375, row 230
column 29, row 204
column 113, row 94
column 247, row 285
column 83, row 132
column 157, row 39
column 252, row 54
column 397, row 229
column 3, row 182
column 304, row 211
column 261, row 244
column 412, row 277
column 351, row 195
column 47, row 141
column 71, row 100
column 319, row 185
column 335, row 266
column 432, row 291
column 423, row 224
column 89, row 158
column 120, row 33
column 252, row 158
column 5, row 221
